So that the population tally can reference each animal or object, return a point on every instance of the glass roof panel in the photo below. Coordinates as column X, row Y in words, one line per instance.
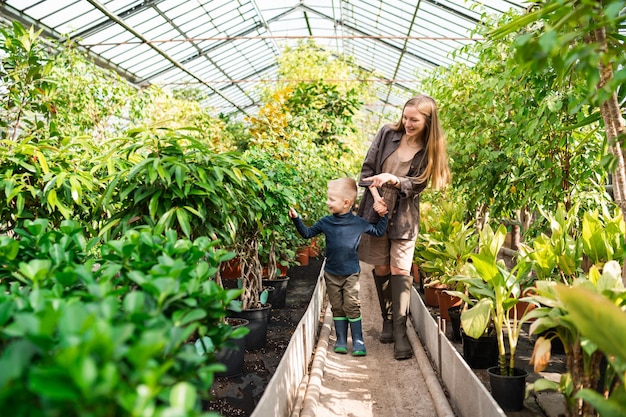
column 230, row 47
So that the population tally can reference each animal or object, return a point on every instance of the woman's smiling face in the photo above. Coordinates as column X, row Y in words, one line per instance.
column 413, row 121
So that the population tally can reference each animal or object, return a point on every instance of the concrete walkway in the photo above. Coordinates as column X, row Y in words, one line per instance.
column 376, row 385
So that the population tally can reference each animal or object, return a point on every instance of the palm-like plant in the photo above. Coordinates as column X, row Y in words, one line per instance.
column 497, row 290
column 167, row 179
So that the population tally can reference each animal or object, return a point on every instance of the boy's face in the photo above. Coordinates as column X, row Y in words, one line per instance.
column 336, row 202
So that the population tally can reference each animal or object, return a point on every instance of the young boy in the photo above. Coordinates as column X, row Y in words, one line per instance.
column 343, row 232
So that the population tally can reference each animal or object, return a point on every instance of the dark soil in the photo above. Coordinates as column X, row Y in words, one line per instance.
column 238, row 396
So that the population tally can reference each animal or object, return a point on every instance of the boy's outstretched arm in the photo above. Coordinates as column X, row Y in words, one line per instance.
column 305, row 232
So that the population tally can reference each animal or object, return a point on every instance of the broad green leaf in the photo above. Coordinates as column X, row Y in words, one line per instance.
column 485, row 266
column 204, row 345
column 9, row 248
column 610, row 336
column 191, row 316
column 15, row 360
column 153, row 206
column 76, row 190
column 52, row 383
column 183, row 221
column 475, row 320
column 35, row 270
column 134, row 302
column 543, row 384
column 263, row 297
column 42, row 161
column 614, row 406
column 183, row 396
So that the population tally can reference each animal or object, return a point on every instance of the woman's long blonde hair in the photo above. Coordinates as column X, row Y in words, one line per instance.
column 437, row 170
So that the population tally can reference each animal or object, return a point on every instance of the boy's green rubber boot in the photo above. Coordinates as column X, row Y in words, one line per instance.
column 358, row 345
column 341, row 330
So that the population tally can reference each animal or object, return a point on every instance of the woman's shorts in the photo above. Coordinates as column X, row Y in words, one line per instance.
column 385, row 251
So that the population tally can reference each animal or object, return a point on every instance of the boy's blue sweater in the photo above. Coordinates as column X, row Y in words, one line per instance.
column 343, row 235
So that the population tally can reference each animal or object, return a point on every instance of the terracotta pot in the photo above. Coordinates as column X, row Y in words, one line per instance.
column 445, row 302
column 231, row 269
column 430, row 295
column 415, row 271
column 281, row 268
column 314, row 249
column 302, row 256
column 521, row 307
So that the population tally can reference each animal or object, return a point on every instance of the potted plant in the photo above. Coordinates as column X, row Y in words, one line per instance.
column 273, row 276
column 494, row 290
column 609, row 338
column 145, row 295
column 599, row 238
column 442, row 251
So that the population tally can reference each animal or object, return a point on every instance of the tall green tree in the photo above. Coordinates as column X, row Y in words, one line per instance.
column 584, row 39
column 515, row 148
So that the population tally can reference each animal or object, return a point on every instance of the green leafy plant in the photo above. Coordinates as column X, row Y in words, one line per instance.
column 166, row 179
column 445, row 242
column 278, row 239
column 530, row 151
column 494, row 290
column 600, row 238
column 609, row 338
column 104, row 330
column 44, row 173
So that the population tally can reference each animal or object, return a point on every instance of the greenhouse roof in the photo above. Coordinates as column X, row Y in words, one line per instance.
column 228, row 48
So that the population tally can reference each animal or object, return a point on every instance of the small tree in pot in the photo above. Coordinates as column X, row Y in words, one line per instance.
column 497, row 290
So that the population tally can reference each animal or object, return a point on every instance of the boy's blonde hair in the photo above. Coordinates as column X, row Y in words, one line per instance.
column 347, row 187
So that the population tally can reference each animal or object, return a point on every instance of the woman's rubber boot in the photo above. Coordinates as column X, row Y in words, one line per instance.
column 358, row 345
column 383, row 288
column 341, row 330
column 401, row 298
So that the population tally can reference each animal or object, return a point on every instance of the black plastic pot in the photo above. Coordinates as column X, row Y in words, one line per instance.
column 258, row 319
column 455, row 322
column 508, row 391
column 481, row 353
column 233, row 352
column 279, row 297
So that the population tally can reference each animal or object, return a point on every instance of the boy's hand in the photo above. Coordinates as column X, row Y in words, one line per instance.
column 293, row 213
column 380, row 207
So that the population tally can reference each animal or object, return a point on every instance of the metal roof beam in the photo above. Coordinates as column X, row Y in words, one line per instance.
column 382, row 41
column 50, row 33
column 175, row 63
column 110, row 22
column 406, row 41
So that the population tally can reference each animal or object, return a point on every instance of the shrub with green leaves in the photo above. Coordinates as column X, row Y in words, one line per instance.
column 162, row 179
column 107, row 329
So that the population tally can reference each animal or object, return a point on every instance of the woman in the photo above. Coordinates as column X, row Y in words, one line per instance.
column 402, row 160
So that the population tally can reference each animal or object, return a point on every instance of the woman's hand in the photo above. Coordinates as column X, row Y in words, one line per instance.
column 293, row 213
column 382, row 179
